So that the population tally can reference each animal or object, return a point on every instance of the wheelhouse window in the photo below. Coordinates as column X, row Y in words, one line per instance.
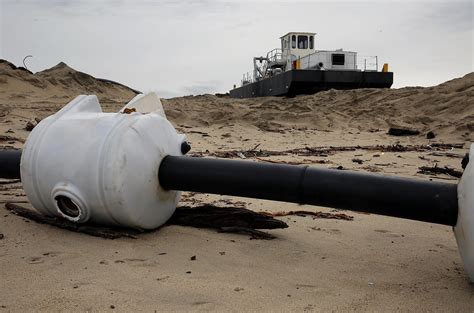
column 311, row 42
column 293, row 41
column 302, row 42
column 338, row 59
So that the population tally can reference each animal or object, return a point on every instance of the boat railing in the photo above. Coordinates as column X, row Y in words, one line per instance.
column 276, row 55
column 367, row 63
column 247, row 78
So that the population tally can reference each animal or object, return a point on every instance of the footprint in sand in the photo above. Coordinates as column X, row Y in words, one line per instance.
column 42, row 258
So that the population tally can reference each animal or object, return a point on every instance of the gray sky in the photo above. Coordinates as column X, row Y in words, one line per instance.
column 193, row 47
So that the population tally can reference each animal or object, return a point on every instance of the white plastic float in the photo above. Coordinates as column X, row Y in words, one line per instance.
column 104, row 165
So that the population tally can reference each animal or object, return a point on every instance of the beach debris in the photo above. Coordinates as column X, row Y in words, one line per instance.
column 428, row 170
column 318, row 214
column 430, row 135
column 29, row 126
column 255, row 148
column 327, row 151
column 204, row 134
column 128, row 110
column 2, row 236
column 396, row 131
column 93, row 230
column 371, row 168
column 210, row 216
column 32, row 123
column 447, row 146
column 358, row 161
column 224, row 219
column 254, row 233
column 281, row 162
column 446, row 154
column 34, row 260
column 193, row 258
column 10, row 139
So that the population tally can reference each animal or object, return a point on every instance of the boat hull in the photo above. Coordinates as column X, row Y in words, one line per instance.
column 295, row 82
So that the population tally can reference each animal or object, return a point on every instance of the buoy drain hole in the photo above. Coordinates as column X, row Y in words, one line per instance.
column 67, row 207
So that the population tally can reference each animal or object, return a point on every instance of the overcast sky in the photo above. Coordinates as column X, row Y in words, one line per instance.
column 194, row 47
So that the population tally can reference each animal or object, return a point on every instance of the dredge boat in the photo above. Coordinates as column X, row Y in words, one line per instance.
column 298, row 68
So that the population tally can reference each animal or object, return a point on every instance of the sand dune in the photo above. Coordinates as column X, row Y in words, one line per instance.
column 447, row 109
column 370, row 263
column 57, row 84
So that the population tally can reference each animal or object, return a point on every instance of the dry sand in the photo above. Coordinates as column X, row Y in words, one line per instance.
column 372, row 263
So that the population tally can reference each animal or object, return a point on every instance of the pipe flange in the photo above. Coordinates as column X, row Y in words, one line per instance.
column 69, row 203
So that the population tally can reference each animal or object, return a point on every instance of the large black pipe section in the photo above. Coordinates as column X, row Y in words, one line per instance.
column 421, row 200
column 427, row 201
column 10, row 164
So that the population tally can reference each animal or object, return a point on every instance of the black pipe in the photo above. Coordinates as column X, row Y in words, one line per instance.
column 10, row 164
column 427, row 201
column 414, row 199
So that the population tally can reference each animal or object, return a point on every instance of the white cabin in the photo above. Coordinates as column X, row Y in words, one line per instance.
column 301, row 46
column 298, row 44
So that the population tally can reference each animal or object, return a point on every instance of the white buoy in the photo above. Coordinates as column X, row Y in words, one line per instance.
column 86, row 165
